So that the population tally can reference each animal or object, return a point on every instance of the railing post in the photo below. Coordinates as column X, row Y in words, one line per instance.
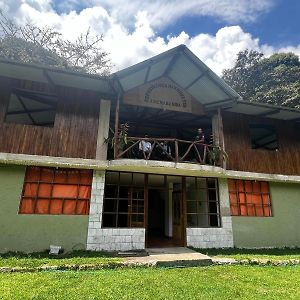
column 176, row 151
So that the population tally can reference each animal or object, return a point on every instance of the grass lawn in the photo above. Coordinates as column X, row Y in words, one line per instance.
column 214, row 282
column 40, row 259
column 272, row 254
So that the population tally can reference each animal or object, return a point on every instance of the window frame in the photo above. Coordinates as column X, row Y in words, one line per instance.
column 53, row 183
column 31, row 94
column 207, row 201
column 131, row 223
column 272, row 130
column 267, row 209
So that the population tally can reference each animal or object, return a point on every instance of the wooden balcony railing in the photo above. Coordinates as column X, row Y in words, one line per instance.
column 171, row 149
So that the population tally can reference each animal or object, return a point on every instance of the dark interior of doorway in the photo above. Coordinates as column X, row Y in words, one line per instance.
column 156, row 231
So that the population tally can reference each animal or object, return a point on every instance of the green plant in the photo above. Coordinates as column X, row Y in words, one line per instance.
column 215, row 153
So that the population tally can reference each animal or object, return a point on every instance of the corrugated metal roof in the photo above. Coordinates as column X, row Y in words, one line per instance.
column 178, row 64
column 266, row 110
column 186, row 70
column 39, row 73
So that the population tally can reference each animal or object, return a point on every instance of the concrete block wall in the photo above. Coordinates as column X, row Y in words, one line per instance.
column 117, row 239
column 221, row 237
column 109, row 239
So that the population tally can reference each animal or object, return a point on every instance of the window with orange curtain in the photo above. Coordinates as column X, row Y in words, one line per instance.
column 56, row 191
column 249, row 198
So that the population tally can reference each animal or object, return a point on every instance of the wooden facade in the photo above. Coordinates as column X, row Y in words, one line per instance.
column 286, row 160
column 75, row 129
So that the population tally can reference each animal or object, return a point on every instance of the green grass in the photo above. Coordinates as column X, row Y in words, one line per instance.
column 217, row 282
column 40, row 259
column 239, row 254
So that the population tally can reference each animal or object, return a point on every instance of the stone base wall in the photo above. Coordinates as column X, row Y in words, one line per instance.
column 211, row 237
column 117, row 239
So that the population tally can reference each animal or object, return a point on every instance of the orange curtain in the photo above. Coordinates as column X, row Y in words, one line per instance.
column 51, row 191
column 249, row 198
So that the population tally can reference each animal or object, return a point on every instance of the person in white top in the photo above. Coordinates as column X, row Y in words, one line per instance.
column 145, row 147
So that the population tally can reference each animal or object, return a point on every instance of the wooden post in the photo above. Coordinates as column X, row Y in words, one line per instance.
column 221, row 137
column 176, row 151
column 116, row 136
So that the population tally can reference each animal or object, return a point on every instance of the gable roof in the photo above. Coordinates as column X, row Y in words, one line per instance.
column 55, row 76
column 179, row 64
column 265, row 110
column 186, row 70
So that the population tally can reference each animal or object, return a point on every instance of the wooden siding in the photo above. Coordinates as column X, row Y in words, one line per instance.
column 243, row 158
column 75, row 129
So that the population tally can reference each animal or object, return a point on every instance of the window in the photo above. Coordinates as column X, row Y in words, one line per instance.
column 31, row 108
column 56, row 191
column 202, row 202
column 249, row 198
column 124, row 200
column 263, row 137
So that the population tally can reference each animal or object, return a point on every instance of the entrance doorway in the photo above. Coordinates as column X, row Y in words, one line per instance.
column 165, row 223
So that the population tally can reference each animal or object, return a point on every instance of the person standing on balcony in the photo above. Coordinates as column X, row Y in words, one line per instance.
column 200, row 139
column 145, row 147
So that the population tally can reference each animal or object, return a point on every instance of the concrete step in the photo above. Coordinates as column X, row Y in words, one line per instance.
column 172, row 257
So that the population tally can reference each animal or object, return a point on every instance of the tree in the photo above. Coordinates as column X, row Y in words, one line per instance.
column 32, row 44
column 272, row 80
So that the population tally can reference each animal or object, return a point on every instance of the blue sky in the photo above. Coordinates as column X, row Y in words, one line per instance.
column 134, row 30
column 280, row 26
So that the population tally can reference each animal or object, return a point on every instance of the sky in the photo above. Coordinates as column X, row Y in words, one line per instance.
column 135, row 30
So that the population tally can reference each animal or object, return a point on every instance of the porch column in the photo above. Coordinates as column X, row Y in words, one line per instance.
column 218, row 133
column 95, row 214
column 103, row 129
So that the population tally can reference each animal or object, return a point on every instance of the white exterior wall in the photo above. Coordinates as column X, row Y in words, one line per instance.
column 221, row 237
column 109, row 239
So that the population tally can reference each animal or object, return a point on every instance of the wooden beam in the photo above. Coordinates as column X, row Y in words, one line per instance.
column 147, row 73
column 221, row 137
column 196, row 79
column 18, row 112
column 172, row 62
column 116, row 136
column 26, row 110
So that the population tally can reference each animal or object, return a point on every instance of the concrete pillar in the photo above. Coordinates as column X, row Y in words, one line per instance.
column 103, row 129
column 96, row 207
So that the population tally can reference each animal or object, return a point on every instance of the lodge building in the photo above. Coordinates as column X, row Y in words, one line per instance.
column 116, row 163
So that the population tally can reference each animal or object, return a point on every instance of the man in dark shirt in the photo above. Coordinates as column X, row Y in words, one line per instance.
column 200, row 139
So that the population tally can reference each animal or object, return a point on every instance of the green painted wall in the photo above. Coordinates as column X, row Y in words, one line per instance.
column 281, row 230
column 31, row 233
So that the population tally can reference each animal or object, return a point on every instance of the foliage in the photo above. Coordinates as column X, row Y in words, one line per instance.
column 272, row 80
column 13, row 259
column 218, row 282
column 122, row 137
column 30, row 43
column 268, row 253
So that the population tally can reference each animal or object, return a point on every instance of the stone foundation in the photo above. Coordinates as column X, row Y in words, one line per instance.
column 211, row 237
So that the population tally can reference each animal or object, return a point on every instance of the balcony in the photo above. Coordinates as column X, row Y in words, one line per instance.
column 169, row 149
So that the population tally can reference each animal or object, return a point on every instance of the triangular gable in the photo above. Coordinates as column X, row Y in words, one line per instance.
column 163, row 94
column 186, row 71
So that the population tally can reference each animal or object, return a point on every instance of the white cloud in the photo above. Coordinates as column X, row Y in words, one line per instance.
column 128, row 45
column 163, row 12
